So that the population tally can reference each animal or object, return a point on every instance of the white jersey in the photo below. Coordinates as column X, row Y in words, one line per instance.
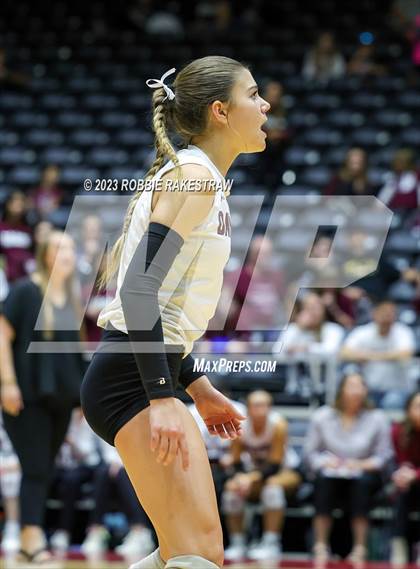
column 190, row 291
column 256, row 448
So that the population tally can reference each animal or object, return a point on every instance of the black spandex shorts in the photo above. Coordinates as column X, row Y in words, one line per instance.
column 112, row 392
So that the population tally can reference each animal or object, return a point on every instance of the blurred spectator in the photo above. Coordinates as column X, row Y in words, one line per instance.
column 414, row 37
column 213, row 18
column 258, row 298
column 311, row 333
column 90, row 259
column 218, row 449
column 165, row 22
column 362, row 260
column 47, row 197
column 39, row 390
column 405, row 18
column 4, row 285
column 273, row 93
column 347, row 448
column 9, row 78
column 84, row 458
column 10, row 478
column 339, row 307
column 89, row 248
column 76, row 463
column 403, row 12
column 278, row 136
column 16, row 238
column 111, row 479
column 42, row 231
column 406, row 478
column 96, row 300
column 324, row 62
column 363, row 62
column 352, row 178
column 402, row 186
column 258, row 458
column 139, row 11
column 384, row 348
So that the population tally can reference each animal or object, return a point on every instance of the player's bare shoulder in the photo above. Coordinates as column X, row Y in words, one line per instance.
column 188, row 179
column 186, row 198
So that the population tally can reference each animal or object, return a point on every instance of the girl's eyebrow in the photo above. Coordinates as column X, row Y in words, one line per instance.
column 252, row 87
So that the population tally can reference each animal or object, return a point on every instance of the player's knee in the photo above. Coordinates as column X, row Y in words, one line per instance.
column 232, row 502
column 273, row 497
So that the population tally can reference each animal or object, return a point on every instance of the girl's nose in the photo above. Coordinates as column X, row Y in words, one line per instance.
column 266, row 106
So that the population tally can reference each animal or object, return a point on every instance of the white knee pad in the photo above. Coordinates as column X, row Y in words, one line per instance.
column 190, row 562
column 152, row 561
column 232, row 503
column 272, row 497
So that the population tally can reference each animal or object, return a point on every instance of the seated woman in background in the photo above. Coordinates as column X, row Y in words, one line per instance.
column 258, row 458
column 347, row 448
column 406, row 441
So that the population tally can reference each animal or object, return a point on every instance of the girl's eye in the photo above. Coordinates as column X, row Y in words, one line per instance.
column 255, row 94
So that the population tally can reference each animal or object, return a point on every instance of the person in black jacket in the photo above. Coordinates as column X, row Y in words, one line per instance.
column 40, row 388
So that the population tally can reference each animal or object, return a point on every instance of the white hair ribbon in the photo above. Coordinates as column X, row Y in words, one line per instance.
column 157, row 83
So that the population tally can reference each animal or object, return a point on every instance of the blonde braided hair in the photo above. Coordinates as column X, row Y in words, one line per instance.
column 164, row 149
column 197, row 85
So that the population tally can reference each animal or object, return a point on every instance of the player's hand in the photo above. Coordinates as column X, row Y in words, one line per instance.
column 218, row 413
column 11, row 399
column 167, row 431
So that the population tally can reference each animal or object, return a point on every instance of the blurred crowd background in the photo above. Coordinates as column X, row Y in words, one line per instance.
column 344, row 90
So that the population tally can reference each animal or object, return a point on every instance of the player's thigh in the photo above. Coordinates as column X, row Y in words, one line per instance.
column 181, row 504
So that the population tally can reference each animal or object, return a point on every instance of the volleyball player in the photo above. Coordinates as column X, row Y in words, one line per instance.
column 170, row 260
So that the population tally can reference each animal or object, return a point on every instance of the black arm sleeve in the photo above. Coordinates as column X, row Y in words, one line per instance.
column 147, row 270
column 187, row 374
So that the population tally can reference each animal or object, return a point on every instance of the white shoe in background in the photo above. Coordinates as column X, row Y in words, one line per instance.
column 265, row 551
column 237, row 549
column 321, row 553
column 10, row 542
column 96, row 542
column 60, row 540
column 136, row 543
column 399, row 552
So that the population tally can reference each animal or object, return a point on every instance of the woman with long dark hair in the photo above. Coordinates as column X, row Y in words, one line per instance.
column 39, row 389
